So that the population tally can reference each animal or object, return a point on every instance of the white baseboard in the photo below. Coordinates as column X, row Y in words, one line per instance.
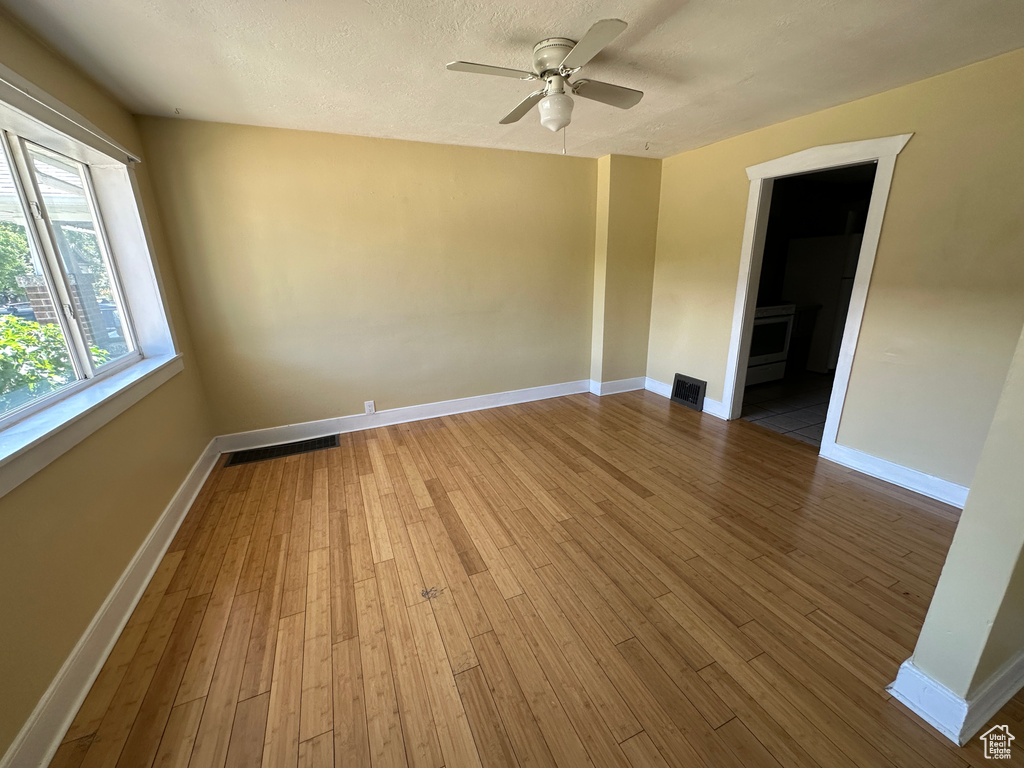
column 658, row 387
column 616, row 387
column 711, row 407
column 39, row 738
column 715, row 408
column 993, row 694
column 930, row 700
column 956, row 718
column 258, row 438
column 905, row 477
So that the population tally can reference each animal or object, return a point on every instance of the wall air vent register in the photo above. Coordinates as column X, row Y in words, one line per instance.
column 689, row 392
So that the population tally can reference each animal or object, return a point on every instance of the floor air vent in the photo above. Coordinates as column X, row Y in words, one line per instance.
column 285, row 449
column 689, row 392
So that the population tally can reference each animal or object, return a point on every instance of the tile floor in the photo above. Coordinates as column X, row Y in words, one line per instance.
column 796, row 407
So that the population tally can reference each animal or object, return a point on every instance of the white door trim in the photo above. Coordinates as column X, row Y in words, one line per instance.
column 762, row 176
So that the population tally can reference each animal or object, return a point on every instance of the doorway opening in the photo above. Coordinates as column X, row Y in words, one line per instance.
column 816, row 224
column 881, row 153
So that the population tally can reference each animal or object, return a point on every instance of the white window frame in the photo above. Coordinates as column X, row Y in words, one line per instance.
column 32, row 437
column 40, row 233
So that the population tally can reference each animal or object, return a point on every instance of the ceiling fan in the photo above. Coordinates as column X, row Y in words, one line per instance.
column 555, row 60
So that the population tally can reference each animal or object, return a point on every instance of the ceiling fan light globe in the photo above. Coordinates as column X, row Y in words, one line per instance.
column 555, row 111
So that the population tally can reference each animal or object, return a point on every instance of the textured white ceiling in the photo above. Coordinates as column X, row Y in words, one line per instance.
column 710, row 68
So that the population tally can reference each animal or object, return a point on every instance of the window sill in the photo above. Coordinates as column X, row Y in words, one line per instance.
column 34, row 442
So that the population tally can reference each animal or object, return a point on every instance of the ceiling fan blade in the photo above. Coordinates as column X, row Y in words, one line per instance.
column 487, row 69
column 522, row 108
column 606, row 93
column 597, row 37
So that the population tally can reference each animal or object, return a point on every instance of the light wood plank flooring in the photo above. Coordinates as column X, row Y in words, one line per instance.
column 613, row 581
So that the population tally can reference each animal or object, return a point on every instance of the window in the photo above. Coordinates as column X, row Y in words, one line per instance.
column 62, row 317
column 83, row 329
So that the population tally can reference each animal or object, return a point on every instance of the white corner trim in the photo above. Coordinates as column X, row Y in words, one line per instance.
column 715, row 408
column 658, row 387
column 993, row 694
column 29, row 445
column 905, row 477
column 955, row 717
column 258, row 438
column 616, row 387
column 930, row 700
column 41, row 734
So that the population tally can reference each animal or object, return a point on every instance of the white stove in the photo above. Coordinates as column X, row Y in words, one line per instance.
column 769, row 343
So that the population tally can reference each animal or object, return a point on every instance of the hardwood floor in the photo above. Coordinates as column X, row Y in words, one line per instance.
column 609, row 581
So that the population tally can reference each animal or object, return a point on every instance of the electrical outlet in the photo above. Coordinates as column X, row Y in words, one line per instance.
column 370, row 407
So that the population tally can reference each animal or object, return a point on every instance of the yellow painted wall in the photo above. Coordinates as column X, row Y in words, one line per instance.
column 322, row 270
column 627, row 227
column 946, row 300
column 68, row 532
column 1006, row 640
column 604, row 178
column 975, row 622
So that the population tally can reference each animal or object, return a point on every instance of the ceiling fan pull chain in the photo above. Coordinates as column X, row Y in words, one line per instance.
column 563, row 141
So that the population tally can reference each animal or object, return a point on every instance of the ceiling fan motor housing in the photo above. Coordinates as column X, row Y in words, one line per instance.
column 555, row 60
column 549, row 53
